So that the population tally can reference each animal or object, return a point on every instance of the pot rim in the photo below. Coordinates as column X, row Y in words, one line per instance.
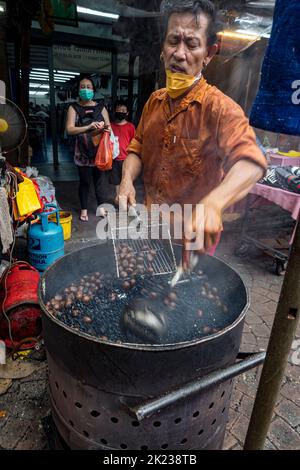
column 138, row 346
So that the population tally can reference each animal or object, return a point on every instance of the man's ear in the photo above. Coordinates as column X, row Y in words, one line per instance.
column 211, row 52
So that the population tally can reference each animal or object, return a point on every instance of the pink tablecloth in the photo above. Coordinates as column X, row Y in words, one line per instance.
column 285, row 199
column 281, row 160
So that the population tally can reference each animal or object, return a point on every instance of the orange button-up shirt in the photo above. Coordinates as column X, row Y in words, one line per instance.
column 185, row 154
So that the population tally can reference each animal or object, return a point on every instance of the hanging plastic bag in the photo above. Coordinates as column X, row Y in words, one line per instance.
column 104, row 156
column 27, row 198
column 47, row 190
column 114, row 140
column 116, row 146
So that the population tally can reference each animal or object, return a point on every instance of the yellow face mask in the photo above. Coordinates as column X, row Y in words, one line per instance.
column 179, row 83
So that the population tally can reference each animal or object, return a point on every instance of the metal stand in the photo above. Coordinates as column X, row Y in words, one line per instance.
column 282, row 335
column 242, row 250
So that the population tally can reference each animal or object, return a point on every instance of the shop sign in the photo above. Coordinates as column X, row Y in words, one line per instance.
column 82, row 59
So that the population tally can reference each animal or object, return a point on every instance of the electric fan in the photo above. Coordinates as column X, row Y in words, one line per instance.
column 13, row 126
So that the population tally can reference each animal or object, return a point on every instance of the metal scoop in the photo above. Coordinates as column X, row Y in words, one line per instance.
column 188, row 263
column 141, row 320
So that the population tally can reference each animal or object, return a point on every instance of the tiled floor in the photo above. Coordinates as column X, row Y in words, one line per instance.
column 65, row 172
column 42, row 159
column 43, row 154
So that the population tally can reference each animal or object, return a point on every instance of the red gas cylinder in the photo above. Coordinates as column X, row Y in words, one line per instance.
column 19, row 300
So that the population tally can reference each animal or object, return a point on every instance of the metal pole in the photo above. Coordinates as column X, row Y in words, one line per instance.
column 2, row 91
column 53, row 108
column 282, row 335
column 131, row 84
column 114, row 86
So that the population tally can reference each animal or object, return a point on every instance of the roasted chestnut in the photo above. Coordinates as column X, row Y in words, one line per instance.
column 87, row 319
column 86, row 299
column 173, row 296
column 126, row 285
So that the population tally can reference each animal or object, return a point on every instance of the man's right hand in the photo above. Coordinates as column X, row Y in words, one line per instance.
column 127, row 195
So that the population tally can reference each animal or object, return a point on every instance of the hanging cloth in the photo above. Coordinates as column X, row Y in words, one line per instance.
column 277, row 105
column 6, row 233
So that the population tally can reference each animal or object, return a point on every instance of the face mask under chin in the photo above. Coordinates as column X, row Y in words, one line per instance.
column 178, row 83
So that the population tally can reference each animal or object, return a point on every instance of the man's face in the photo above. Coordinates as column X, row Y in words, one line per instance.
column 185, row 47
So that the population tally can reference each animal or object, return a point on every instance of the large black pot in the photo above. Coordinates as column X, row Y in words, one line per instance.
column 97, row 387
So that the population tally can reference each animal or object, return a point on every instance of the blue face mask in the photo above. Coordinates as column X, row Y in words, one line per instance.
column 86, row 94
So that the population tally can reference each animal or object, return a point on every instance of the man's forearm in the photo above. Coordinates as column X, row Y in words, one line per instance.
column 236, row 185
column 132, row 167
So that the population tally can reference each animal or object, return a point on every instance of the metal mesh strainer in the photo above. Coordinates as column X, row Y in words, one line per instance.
column 143, row 248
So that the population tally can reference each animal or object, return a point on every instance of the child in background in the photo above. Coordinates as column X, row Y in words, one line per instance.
column 124, row 131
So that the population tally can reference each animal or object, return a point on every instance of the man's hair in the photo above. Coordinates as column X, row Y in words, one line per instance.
column 195, row 7
column 121, row 103
column 86, row 76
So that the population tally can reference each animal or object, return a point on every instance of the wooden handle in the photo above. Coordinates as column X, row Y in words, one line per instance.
column 186, row 255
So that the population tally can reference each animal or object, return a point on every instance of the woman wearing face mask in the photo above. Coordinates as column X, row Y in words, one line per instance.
column 87, row 119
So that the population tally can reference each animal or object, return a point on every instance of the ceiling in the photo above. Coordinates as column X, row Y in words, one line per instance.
column 258, row 12
column 118, row 7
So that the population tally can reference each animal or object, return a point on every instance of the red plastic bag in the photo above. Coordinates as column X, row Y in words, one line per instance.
column 104, row 156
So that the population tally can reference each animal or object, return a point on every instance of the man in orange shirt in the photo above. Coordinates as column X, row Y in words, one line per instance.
column 194, row 143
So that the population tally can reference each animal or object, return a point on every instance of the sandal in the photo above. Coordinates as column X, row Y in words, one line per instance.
column 84, row 218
